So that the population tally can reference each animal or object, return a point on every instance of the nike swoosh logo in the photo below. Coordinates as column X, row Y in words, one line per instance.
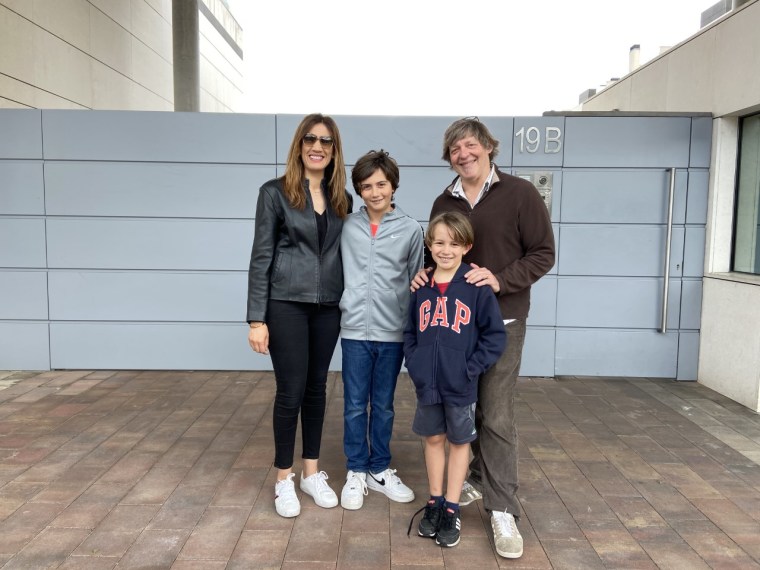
column 394, row 236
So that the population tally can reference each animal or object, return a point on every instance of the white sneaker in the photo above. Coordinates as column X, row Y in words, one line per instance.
column 506, row 537
column 316, row 486
column 285, row 500
column 352, row 495
column 388, row 483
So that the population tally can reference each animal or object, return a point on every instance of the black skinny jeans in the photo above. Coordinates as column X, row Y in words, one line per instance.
column 302, row 338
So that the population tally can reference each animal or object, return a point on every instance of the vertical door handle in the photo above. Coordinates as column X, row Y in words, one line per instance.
column 668, row 236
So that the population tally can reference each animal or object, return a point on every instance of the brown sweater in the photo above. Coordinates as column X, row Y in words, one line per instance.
column 513, row 238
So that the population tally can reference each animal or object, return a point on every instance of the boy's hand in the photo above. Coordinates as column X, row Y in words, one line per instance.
column 482, row 276
column 420, row 279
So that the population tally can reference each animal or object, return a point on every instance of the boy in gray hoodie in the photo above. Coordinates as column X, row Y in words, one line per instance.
column 382, row 250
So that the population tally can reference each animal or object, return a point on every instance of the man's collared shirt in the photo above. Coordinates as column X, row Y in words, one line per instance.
column 458, row 190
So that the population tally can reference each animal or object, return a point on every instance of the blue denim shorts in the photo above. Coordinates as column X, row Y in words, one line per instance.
column 457, row 422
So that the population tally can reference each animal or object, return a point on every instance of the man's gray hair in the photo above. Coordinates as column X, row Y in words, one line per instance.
column 468, row 127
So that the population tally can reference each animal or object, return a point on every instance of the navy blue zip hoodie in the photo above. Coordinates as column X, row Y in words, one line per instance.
column 451, row 339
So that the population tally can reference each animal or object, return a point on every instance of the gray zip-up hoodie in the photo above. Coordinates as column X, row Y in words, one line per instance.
column 377, row 272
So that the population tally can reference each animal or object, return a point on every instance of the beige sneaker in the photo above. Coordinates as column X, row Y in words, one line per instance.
column 506, row 537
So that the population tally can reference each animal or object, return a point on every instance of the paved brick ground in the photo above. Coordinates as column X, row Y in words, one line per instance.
column 103, row 470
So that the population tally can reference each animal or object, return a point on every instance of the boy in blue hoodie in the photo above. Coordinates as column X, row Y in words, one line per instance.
column 453, row 335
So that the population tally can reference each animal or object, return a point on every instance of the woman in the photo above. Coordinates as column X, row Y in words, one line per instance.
column 295, row 281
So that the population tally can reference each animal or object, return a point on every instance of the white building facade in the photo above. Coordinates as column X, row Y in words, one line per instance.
column 717, row 71
column 112, row 54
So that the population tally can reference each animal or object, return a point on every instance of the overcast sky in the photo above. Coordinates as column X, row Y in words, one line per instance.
column 446, row 57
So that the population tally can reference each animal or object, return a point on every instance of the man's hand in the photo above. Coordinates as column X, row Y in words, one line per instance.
column 481, row 276
column 420, row 279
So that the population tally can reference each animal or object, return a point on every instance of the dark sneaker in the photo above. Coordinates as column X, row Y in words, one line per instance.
column 448, row 532
column 469, row 494
column 430, row 522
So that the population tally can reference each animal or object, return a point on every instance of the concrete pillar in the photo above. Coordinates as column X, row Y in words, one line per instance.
column 185, row 41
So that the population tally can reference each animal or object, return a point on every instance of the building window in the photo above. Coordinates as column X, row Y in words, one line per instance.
column 747, row 230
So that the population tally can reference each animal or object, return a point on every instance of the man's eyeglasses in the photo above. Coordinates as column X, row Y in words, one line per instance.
column 310, row 139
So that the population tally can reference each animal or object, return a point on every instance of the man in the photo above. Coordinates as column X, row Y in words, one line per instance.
column 514, row 248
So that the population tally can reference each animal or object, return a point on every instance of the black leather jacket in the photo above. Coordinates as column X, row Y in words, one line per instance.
column 286, row 263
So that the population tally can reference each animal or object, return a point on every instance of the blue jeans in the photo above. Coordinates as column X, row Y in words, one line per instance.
column 370, row 371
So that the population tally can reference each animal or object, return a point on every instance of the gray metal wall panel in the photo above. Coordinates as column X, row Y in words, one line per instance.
column 688, row 356
column 412, row 141
column 23, row 295
column 21, row 187
column 81, row 243
column 538, row 352
column 694, row 252
column 621, row 196
column 418, row 188
column 538, row 141
column 701, row 142
column 691, row 304
column 154, row 189
column 24, row 346
column 158, row 137
column 622, row 250
column 619, row 142
column 20, row 133
column 543, row 302
column 23, row 242
column 607, row 352
column 159, row 346
column 696, row 208
column 147, row 296
column 614, row 302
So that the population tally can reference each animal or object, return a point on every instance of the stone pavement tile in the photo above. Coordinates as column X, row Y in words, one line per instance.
column 14, row 494
column 156, row 486
column 25, row 523
column 262, row 549
column 668, row 502
column 9, row 440
column 578, row 495
column 412, row 549
column 607, row 480
column 578, row 447
column 49, row 549
column 231, row 438
column 717, row 549
column 129, row 517
column 727, row 516
column 471, row 552
column 315, row 536
column 240, row 487
column 627, row 461
column 374, row 516
column 615, row 546
column 199, row 565
column 673, row 554
column 367, row 550
column 636, row 513
column 688, row 483
column 91, row 507
column 110, row 543
column 571, row 554
column 184, row 453
column 216, row 534
column 161, row 438
column 130, row 468
column 649, row 450
column 154, row 549
column 211, row 468
column 750, row 506
column 88, row 563
column 550, row 519
column 183, row 508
